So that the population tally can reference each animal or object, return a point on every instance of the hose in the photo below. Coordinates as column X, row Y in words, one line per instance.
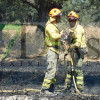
column 24, row 90
column 80, row 93
column 65, row 70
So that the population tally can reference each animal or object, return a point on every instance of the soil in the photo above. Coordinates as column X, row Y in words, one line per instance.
column 21, row 74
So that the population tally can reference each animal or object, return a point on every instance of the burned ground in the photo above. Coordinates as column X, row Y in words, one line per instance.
column 21, row 74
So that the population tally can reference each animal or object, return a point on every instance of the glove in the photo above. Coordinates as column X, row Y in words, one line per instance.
column 72, row 46
column 64, row 35
column 66, row 46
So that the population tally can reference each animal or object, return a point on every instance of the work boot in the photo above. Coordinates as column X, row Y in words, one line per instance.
column 68, row 88
column 81, row 90
column 51, row 89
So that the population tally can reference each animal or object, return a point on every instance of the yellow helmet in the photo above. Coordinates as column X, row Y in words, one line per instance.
column 72, row 16
column 55, row 12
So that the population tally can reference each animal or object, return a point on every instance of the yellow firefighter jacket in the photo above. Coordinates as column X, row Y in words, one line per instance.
column 52, row 37
column 77, row 36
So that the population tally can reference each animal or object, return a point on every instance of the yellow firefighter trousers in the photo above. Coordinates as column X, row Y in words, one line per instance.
column 52, row 68
column 78, row 73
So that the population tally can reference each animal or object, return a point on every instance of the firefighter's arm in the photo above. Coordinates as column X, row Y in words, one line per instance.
column 78, row 38
column 54, row 35
column 54, row 32
column 77, row 44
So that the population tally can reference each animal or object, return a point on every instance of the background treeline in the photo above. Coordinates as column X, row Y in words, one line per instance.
column 23, row 11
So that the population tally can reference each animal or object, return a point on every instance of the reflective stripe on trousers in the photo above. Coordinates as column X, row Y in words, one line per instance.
column 52, row 68
column 78, row 72
column 47, row 83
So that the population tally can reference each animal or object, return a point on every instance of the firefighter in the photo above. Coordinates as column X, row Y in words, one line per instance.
column 77, row 50
column 52, row 42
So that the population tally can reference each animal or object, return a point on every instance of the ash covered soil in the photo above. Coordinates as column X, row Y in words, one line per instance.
column 29, row 74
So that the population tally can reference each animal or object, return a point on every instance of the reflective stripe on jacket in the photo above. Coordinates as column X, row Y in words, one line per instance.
column 52, row 37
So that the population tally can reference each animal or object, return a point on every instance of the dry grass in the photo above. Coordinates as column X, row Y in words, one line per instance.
column 35, row 38
column 92, row 31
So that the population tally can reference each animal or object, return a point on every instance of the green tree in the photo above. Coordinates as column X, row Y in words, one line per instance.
column 44, row 6
column 17, row 11
column 88, row 10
